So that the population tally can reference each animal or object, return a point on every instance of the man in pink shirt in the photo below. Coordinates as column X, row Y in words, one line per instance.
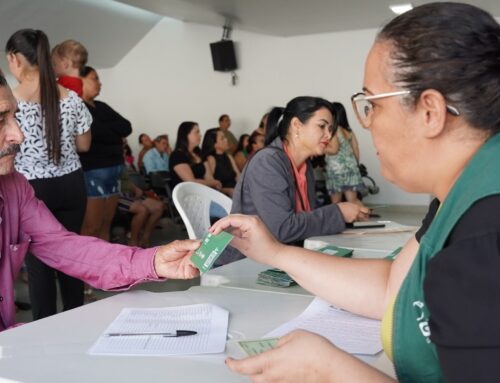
column 26, row 223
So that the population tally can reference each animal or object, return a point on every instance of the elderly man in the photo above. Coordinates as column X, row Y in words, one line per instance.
column 156, row 159
column 26, row 223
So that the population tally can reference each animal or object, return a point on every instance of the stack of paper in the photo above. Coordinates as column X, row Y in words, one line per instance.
column 276, row 278
column 349, row 332
column 209, row 321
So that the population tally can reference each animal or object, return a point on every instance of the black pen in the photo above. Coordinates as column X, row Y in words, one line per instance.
column 173, row 334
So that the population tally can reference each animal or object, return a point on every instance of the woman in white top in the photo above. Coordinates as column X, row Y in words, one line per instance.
column 56, row 124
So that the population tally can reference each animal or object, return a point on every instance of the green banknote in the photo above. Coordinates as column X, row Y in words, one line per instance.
column 255, row 347
column 337, row 251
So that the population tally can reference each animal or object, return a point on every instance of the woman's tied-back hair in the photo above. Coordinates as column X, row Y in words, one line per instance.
column 34, row 46
column 86, row 70
column 452, row 48
column 73, row 50
column 302, row 107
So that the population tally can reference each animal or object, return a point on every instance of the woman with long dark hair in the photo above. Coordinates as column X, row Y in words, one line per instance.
column 186, row 162
column 241, row 154
column 56, row 124
column 221, row 164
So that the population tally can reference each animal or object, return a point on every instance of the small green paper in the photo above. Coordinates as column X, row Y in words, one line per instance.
column 211, row 248
column 337, row 251
column 255, row 347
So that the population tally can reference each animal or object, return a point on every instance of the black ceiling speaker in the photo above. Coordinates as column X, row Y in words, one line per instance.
column 223, row 56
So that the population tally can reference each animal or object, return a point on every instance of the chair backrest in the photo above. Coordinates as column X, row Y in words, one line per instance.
column 192, row 201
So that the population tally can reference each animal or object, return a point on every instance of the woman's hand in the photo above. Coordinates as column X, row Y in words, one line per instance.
column 216, row 184
column 251, row 237
column 172, row 260
column 300, row 357
column 353, row 212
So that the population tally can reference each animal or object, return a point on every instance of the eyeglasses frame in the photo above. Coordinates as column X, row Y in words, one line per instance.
column 449, row 108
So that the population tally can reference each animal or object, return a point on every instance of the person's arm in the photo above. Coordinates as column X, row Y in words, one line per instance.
column 97, row 262
column 209, row 178
column 184, row 172
column 148, row 161
column 115, row 121
column 240, row 160
column 355, row 146
column 109, row 126
column 235, row 167
column 302, row 356
column 83, row 135
column 83, row 141
column 357, row 285
column 210, row 164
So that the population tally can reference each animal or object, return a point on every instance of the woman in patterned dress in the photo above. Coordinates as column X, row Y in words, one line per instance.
column 342, row 158
column 55, row 124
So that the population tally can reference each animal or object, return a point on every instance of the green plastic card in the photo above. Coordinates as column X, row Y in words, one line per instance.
column 337, row 251
column 392, row 256
column 255, row 347
column 211, row 248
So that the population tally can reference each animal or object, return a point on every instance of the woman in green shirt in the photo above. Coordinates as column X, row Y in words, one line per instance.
column 431, row 102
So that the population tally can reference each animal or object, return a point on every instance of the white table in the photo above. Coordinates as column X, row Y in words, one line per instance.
column 54, row 349
column 243, row 274
column 374, row 239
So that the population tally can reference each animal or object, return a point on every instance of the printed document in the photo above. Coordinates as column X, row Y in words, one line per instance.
column 352, row 333
column 209, row 321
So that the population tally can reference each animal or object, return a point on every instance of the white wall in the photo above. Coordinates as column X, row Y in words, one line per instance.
column 168, row 78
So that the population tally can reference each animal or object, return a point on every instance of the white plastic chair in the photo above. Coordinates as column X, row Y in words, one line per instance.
column 192, row 201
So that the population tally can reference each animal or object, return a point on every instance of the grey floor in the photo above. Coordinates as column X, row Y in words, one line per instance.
column 168, row 231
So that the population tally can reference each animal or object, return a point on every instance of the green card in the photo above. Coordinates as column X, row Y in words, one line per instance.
column 392, row 256
column 337, row 251
column 211, row 248
column 255, row 347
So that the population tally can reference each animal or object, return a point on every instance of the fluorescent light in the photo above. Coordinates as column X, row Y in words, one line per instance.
column 401, row 8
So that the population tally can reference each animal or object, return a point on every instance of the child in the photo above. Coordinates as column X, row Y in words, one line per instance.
column 68, row 58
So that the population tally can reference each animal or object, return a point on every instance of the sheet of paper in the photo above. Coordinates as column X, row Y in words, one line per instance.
column 209, row 321
column 351, row 333
column 211, row 248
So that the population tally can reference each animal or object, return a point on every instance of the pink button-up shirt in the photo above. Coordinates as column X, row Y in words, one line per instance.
column 26, row 223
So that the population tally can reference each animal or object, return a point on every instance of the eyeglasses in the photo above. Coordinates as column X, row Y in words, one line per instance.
column 363, row 107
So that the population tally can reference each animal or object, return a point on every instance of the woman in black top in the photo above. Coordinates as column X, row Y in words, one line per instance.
column 186, row 162
column 219, row 162
column 103, row 163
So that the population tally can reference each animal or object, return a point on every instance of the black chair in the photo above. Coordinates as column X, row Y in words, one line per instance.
column 160, row 183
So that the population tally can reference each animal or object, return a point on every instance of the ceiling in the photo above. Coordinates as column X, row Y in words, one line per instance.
column 109, row 29
column 288, row 17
